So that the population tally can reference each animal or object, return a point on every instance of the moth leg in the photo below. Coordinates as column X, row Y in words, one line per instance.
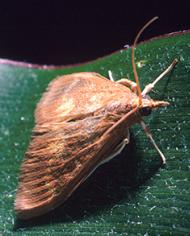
column 110, row 76
column 149, row 135
column 126, row 82
column 118, row 149
column 121, row 146
column 150, row 86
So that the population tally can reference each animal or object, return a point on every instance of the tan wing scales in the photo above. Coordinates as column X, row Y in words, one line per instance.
column 69, row 142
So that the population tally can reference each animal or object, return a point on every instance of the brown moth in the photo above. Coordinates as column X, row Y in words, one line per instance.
column 82, row 121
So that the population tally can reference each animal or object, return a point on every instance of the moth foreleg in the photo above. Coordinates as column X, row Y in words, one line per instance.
column 128, row 83
column 150, row 86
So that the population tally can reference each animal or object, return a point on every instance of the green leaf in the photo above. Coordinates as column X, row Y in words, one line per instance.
column 131, row 195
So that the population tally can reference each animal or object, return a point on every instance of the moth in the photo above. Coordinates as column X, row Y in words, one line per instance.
column 81, row 122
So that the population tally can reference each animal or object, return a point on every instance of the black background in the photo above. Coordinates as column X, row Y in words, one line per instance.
column 65, row 32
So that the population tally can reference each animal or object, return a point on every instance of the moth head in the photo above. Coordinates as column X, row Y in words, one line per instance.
column 149, row 104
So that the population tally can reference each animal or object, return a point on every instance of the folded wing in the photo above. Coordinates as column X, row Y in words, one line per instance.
column 69, row 140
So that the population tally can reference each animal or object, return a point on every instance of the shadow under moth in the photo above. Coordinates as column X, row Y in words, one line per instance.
column 81, row 122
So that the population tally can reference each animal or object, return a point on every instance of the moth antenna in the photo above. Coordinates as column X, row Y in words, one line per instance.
column 133, row 57
column 149, row 135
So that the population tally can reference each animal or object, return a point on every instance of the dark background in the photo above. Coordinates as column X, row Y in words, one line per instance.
column 65, row 32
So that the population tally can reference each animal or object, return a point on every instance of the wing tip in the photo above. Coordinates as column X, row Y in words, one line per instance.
column 26, row 209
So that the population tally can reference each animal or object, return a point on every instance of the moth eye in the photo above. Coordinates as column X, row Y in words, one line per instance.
column 145, row 111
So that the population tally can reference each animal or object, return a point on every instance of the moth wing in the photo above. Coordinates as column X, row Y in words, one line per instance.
column 63, row 152
column 77, row 94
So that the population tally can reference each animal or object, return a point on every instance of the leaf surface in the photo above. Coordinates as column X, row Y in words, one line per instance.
column 130, row 195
